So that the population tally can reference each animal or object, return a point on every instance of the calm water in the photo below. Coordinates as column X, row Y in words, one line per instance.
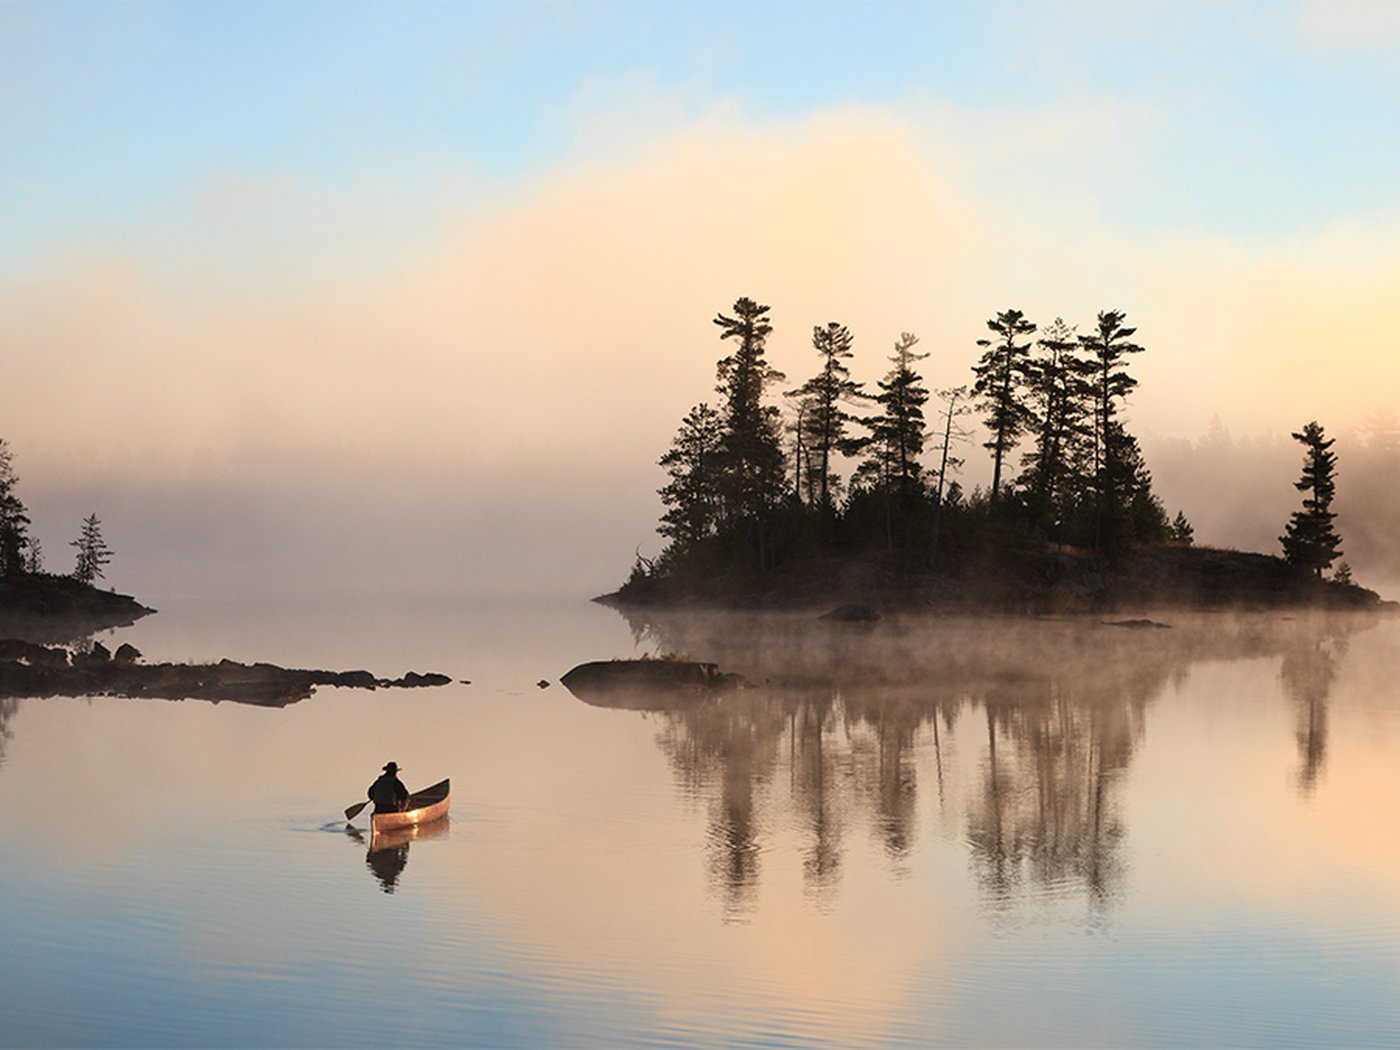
column 949, row 832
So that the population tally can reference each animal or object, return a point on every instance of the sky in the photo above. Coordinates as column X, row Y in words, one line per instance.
column 416, row 294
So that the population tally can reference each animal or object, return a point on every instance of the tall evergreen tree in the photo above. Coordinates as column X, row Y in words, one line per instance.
column 1001, row 380
column 825, row 427
column 751, row 462
column 1059, row 401
column 892, row 466
column 1108, row 347
column 897, row 434
column 1309, row 540
column 14, row 519
column 693, row 463
column 93, row 552
column 1141, row 517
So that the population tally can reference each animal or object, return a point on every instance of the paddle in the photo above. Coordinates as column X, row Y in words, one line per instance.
column 354, row 811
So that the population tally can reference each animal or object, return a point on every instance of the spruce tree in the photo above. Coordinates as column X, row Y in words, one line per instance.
column 1309, row 540
column 692, row 494
column 897, row 434
column 1001, row 375
column 892, row 466
column 93, row 552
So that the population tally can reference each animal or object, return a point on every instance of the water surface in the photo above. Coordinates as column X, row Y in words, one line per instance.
column 941, row 831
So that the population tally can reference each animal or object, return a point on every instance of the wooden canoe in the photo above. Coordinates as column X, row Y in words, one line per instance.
column 423, row 806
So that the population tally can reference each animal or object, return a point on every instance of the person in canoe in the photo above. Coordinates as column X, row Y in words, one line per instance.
column 388, row 793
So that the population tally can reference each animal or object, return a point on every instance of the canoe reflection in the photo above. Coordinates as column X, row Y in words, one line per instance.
column 387, row 855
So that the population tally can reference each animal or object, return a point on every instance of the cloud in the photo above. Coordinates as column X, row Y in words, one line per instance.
column 536, row 347
column 1348, row 24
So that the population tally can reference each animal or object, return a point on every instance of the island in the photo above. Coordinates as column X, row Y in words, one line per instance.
column 758, row 515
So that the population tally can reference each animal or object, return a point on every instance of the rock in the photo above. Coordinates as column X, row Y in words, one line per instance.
column 414, row 680
column 648, row 685
column 51, row 658
column 32, row 654
column 126, row 654
column 1137, row 625
column 100, row 653
column 852, row 612
column 543, row 683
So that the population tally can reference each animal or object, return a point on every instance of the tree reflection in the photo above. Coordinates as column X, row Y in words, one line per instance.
column 1308, row 671
column 1047, row 814
column 840, row 745
column 8, row 707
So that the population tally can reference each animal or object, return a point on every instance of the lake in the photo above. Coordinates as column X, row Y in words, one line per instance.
column 982, row 832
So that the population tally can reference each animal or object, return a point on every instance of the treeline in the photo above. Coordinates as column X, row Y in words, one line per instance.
column 755, row 479
column 21, row 554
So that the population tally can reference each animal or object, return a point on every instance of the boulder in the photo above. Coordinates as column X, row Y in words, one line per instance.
column 648, row 685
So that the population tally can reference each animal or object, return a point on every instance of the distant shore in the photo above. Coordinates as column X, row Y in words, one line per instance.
column 1031, row 582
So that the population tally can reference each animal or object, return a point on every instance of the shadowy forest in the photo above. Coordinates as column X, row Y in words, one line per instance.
column 777, row 482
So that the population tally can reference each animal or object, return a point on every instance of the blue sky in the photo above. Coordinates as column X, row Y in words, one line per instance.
column 1252, row 121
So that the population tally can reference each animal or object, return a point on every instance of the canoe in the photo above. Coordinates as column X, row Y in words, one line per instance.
column 423, row 806
column 396, row 838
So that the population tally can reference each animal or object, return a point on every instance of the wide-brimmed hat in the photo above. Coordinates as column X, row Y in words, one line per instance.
column 392, row 767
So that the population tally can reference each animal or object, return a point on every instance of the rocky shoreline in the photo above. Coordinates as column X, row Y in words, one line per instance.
column 1027, row 582
column 28, row 669
column 45, row 622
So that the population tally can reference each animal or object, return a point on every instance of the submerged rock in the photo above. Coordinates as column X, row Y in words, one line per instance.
column 648, row 685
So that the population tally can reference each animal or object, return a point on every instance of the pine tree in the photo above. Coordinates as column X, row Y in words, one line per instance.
column 1060, row 404
column 93, row 552
column 1001, row 379
column 692, row 495
column 752, row 473
column 14, row 519
column 1108, row 346
column 1309, row 540
column 825, row 423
